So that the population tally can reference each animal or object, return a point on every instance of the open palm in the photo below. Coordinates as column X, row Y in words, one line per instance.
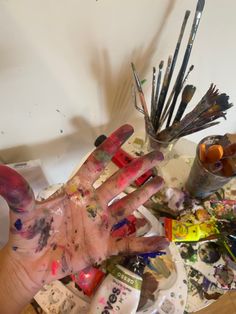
column 71, row 229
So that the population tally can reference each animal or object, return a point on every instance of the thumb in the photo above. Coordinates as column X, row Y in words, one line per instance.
column 16, row 191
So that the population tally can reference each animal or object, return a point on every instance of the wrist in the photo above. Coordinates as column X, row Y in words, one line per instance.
column 16, row 287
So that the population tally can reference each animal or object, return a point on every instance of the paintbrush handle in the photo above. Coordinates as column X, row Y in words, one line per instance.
column 166, row 109
column 153, row 94
column 196, row 21
column 179, row 83
column 160, row 104
column 180, row 111
column 164, row 91
column 156, row 93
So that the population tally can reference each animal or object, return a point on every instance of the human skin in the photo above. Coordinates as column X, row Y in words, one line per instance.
column 69, row 231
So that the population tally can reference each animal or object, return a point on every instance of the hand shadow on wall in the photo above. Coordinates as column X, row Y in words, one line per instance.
column 78, row 143
column 117, row 87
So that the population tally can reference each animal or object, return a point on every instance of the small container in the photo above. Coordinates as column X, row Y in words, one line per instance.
column 201, row 182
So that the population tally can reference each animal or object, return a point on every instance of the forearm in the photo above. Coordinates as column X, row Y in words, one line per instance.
column 16, row 289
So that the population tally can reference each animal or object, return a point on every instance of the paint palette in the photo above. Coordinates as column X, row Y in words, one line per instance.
column 206, row 257
column 171, row 294
column 201, row 291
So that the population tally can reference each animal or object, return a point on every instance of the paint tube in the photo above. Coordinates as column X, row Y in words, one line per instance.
column 178, row 231
column 88, row 279
column 120, row 291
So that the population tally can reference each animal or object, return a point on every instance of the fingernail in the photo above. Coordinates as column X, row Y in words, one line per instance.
column 156, row 155
column 162, row 242
column 158, row 181
column 123, row 133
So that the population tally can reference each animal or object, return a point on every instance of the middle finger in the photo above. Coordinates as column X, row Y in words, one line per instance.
column 125, row 176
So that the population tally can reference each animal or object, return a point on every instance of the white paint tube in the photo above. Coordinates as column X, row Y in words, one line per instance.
column 120, row 291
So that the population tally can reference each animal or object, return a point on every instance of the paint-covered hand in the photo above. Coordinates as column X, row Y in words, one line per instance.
column 72, row 229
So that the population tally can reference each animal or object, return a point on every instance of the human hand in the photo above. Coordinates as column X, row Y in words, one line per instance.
column 71, row 229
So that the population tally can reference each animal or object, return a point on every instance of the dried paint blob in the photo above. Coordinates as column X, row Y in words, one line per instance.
column 224, row 276
column 187, row 252
column 209, row 252
column 18, row 224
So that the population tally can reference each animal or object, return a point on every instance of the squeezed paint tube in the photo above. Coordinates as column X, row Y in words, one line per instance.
column 178, row 231
column 88, row 279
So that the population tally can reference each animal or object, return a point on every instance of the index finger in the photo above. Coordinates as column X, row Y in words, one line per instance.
column 101, row 156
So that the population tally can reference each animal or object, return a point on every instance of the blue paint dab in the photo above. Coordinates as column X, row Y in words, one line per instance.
column 18, row 224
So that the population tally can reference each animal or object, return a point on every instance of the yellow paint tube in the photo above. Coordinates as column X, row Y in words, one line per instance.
column 178, row 231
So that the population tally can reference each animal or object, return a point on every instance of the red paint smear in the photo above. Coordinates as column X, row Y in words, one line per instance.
column 102, row 301
column 112, row 143
column 130, row 172
column 54, row 267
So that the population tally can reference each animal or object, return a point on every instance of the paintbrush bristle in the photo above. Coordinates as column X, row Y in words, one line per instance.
column 187, row 13
column 188, row 93
column 223, row 102
column 161, row 65
column 200, row 5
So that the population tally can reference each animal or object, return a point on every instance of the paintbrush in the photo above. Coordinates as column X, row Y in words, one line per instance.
column 156, row 92
column 196, row 21
column 142, row 101
column 194, row 117
column 166, row 109
column 165, row 87
column 153, row 94
column 197, row 129
column 158, row 83
column 187, row 95
column 205, row 103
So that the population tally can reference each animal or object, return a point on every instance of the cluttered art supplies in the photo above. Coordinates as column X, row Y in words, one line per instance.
column 223, row 209
column 213, row 167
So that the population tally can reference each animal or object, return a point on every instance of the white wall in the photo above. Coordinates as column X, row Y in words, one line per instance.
column 65, row 73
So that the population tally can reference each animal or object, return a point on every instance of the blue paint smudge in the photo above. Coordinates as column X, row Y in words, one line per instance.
column 18, row 224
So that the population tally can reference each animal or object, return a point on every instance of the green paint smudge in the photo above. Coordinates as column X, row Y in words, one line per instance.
column 102, row 155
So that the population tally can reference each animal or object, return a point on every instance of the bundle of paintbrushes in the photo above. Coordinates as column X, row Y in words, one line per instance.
column 161, row 123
